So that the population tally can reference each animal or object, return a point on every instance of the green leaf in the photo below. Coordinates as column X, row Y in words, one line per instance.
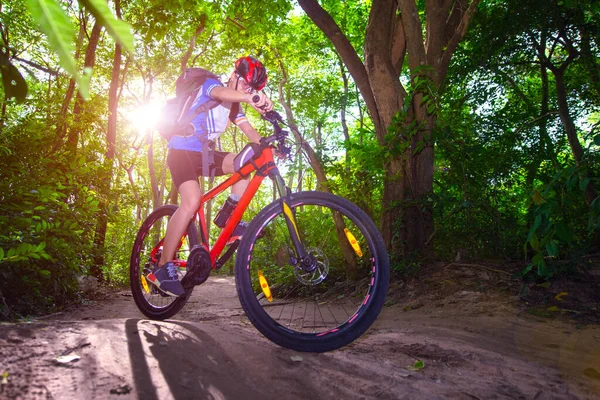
column 118, row 29
column 595, row 206
column 45, row 273
column 53, row 21
column 536, row 224
column 538, row 259
column 535, row 243
column 597, row 140
column 552, row 248
column 543, row 270
column 41, row 246
column 418, row 365
column 584, row 183
column 563, row 232
column 1, row 253
column 572, row 182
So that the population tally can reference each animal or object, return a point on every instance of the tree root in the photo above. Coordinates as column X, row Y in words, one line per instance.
column 478, row 266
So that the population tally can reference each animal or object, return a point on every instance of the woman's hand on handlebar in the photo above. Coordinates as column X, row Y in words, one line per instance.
column 260, row 102
column 281, row 150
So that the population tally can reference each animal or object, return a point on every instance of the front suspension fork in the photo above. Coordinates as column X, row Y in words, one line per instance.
column 288, row 213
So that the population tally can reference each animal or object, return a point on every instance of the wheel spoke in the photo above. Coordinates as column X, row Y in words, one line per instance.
column 317, row 299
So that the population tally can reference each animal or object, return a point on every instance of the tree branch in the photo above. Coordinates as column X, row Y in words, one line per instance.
column 413, row 32
column 36, row 66
column 188, row 53
column 343, row 46
column 457, row 36
column 398, row 46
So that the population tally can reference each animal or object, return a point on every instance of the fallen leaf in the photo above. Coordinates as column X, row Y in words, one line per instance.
column 403, row 374
column 68, row 358
column 296, row 358
column 592, row 373
column 123, row 389
column 418, row 365
column 4, row 380
column 560, row 296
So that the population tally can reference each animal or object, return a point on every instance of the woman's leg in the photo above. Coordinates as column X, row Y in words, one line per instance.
column 240, row 187
column 190, row 201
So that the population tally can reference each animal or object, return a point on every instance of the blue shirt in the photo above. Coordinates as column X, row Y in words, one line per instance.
column 209, row 124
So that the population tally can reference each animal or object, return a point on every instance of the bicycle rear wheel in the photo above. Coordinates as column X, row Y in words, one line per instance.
column 146, row 252
column 327, row 300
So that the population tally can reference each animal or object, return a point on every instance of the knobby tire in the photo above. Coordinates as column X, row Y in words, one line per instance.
column 154, row 305
column 318, row 310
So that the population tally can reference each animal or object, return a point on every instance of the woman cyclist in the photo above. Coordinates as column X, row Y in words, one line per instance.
column 185, row 155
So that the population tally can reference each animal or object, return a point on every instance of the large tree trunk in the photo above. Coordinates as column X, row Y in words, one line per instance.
column 394, row 31
column 111, row 135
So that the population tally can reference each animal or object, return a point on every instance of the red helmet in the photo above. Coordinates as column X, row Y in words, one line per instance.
column 252, row 71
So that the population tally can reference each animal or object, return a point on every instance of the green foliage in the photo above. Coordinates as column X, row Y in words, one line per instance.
column 119, row 30
column 559, row 227
column 58, row 28
column 359, row 177
column 505, row 170
column 404, row 128
column 46, row 220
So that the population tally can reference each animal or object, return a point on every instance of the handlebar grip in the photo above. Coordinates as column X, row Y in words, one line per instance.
column 255, row 98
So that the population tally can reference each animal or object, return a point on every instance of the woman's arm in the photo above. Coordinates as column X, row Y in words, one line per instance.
column 227, row 94
column 222, row 93
column 250, row 132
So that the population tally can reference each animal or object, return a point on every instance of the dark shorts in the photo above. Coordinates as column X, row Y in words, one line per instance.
column 186, row 165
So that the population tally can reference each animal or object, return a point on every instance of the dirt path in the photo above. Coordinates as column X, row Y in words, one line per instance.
column 472, row 346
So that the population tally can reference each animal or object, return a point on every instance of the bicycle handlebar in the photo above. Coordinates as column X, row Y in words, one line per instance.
column 279, row 136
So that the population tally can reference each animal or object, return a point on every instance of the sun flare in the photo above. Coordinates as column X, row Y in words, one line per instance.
column 145, row 117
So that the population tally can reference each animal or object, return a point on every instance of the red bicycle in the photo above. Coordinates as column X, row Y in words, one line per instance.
column 311, row 270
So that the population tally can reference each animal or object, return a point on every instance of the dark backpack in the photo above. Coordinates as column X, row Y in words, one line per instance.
column 175, row 120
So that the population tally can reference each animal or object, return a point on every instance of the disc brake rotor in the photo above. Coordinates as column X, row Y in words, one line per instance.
column 313, row 269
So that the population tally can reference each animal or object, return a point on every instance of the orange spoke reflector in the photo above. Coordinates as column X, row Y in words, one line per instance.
column 145, row 284
column 264, row 285
column 353, row 242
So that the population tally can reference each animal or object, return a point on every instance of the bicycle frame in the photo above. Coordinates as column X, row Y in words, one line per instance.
column 262, row 167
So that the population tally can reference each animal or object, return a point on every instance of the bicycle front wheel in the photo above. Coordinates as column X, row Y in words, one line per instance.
column 146, row 252
column 329, row 298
